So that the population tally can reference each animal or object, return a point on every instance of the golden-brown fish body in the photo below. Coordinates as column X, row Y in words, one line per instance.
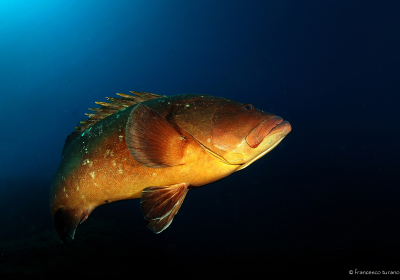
column 107, row 173
column 157, row 150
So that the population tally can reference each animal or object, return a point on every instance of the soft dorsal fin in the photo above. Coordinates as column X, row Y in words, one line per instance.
column 114, row 105
column 160, row 205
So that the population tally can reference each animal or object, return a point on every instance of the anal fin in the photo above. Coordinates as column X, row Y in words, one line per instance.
column 161, row 204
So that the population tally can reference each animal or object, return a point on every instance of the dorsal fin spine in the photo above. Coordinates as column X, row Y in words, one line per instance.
column 114, row 105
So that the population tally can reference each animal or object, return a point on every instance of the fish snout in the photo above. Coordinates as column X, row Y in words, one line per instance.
column 265, row 128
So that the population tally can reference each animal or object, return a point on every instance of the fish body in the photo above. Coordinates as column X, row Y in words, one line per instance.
column 157, row 150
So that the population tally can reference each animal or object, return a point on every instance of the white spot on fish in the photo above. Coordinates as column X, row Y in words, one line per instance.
column 83, row 197
column 106, row 153
column 77, row 188
column 92, row 174
column 114, row 163
column 121, row 138
column 120, row 170
column 86, row 161
column 66, row 195
column 208, row 140
column 241, row 144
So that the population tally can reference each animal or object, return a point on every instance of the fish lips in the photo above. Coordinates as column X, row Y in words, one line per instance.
column 265, row 128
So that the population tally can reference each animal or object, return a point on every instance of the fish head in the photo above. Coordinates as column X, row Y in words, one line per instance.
column 237, row 133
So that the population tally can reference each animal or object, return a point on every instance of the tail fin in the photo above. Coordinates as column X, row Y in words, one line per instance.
column 67, row 220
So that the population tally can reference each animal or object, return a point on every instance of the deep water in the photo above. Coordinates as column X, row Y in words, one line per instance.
column 323, row 204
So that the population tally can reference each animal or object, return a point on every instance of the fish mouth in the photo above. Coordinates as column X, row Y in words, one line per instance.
column 281, row 127
column 266, row 128
column 272, row 131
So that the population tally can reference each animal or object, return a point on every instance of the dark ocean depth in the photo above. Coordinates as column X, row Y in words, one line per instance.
column 324, row 204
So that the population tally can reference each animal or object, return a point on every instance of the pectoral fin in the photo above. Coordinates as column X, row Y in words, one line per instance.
column 160, row 205
column 152, row 140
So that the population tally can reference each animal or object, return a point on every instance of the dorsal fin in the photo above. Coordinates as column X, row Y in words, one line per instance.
column 108, row 108
column 114, row 105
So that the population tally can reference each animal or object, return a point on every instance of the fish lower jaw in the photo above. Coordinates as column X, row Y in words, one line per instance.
column 243, row 166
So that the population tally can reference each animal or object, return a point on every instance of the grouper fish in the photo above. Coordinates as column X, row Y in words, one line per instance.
column 156, row 148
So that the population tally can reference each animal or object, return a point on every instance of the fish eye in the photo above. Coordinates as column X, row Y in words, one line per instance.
column 248, row 107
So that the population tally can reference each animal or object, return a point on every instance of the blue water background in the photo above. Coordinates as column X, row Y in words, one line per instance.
column 331, row 68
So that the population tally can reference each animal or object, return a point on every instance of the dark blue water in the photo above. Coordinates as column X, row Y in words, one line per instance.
column 325, row 201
